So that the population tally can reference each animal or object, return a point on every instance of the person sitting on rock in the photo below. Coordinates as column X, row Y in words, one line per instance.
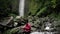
column 27, row 28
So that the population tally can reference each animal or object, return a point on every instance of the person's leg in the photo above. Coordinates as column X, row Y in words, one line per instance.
column 28, row 32
column 23, row 32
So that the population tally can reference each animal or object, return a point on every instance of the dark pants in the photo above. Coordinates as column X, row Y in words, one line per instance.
column 26, row 32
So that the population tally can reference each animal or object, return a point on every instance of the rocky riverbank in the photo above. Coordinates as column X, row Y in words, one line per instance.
column 38, row 24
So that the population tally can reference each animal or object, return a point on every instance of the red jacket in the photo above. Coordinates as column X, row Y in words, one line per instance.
column 27, row 27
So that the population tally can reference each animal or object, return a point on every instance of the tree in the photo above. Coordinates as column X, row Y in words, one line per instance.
column 7, row 8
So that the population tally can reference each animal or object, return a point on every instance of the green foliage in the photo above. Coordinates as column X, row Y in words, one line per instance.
column 33, row 6
column 36, row 7
column 41, row 11
column 53, row 3
column 11, row 31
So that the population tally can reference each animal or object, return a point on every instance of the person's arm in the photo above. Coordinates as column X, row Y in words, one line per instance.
column 23, row 27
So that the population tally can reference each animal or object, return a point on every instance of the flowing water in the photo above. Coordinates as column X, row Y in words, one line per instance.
column 43, row 33
column 21, row 7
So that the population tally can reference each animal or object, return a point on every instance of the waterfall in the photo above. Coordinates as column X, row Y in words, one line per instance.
column 21, row 7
